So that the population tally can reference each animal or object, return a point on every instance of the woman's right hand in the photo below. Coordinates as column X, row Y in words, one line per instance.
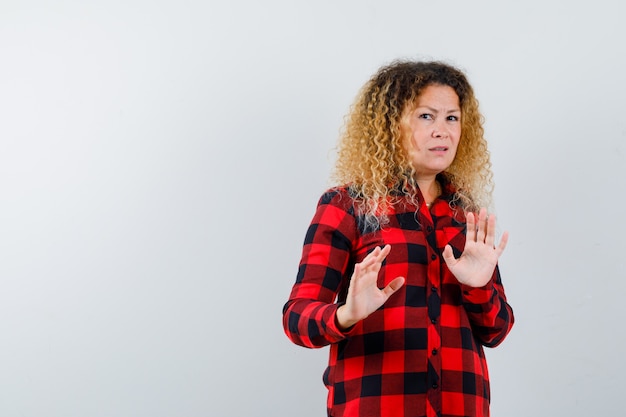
column 364, row 297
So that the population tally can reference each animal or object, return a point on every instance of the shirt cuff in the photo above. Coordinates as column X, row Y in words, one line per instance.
column 333, row 330
column 478, row 295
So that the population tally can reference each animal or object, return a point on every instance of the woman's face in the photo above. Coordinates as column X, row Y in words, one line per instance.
column 434, row 130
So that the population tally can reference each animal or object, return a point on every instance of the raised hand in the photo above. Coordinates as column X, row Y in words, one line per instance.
column 364, row 297
column 479, row 258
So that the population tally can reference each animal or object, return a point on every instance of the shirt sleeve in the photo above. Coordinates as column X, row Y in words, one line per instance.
column 487, row 308
column 309, row 316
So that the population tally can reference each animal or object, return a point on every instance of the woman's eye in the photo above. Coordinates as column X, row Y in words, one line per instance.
column 426, row 116
column 453, row 118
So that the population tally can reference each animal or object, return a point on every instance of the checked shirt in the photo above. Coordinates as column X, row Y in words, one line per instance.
column 421, row 353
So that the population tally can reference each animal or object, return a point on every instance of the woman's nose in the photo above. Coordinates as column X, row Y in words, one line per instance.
column 439, row 129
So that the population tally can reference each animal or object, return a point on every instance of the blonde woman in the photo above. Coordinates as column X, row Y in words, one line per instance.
column 399, row 270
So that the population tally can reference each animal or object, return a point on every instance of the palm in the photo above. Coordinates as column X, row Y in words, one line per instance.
column 479, row 258
column 364, row 297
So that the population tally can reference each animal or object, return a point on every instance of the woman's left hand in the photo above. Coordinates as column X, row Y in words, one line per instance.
column 478, row 261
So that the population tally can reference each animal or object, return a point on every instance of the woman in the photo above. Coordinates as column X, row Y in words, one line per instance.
column 399, row 267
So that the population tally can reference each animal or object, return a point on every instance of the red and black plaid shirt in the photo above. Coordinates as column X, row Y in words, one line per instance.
column 421, row 353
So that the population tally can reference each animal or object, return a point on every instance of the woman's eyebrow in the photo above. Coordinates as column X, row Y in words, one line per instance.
column 433, row 110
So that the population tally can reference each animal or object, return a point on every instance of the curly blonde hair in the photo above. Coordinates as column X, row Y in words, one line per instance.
column 371, row 156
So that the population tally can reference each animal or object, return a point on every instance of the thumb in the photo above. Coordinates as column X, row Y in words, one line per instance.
column 393, row 286
column 448, row 255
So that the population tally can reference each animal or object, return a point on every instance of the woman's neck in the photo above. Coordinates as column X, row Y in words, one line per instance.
column 430, row 188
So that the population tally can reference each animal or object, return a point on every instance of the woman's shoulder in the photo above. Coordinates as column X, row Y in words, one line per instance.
column 341, row 195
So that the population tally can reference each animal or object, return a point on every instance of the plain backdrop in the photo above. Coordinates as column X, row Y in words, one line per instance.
column 160, row 162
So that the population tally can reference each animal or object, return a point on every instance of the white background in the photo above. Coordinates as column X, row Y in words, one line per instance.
column 160, row 162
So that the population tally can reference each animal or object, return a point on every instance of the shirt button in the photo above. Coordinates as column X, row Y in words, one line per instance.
column 429, row 229
column 433, row 321
column 435, row 386
column 433, row 256
column 434, row 289
column 435, row 351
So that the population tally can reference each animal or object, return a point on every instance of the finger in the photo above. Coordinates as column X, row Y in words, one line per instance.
column 491, row 231
column 384, row 252
column 373, row 261
column 393, row 286
column 358, row 271
column 503, row 241
column 471, row 227
column 361, row 278
column 379, row 252
column 380, row 258
column 448, row 256
column 371, row 258
column 482, row 225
